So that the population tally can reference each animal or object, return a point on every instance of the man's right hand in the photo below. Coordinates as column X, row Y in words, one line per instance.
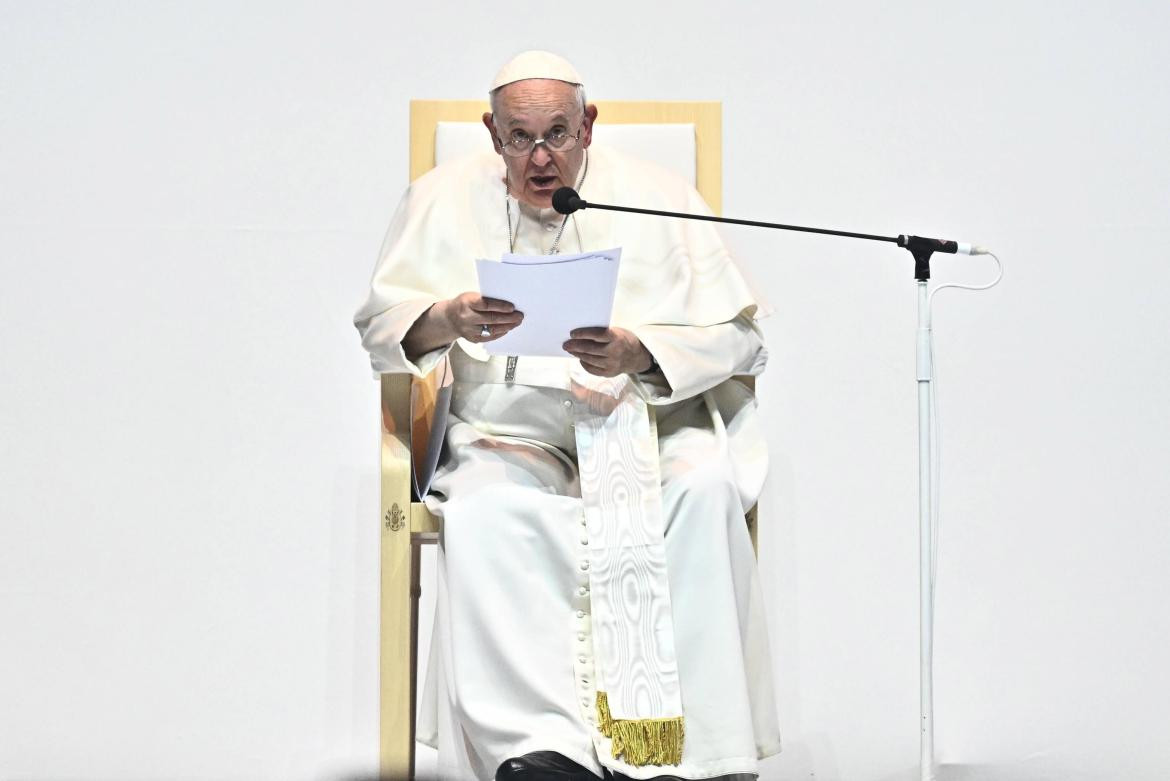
column 468, row 313
column 461, row 317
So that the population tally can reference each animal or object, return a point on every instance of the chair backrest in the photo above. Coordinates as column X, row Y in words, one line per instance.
column 686, row 136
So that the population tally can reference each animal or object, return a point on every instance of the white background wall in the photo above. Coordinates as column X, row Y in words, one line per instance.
column 192, row 198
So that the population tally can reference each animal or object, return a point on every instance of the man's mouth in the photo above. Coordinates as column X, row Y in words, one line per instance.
column 542, row 182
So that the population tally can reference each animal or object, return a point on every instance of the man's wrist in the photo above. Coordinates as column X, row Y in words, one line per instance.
column 442, row 324
column 430, row 331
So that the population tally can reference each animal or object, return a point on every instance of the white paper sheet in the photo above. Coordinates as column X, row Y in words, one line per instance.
column 556, row 293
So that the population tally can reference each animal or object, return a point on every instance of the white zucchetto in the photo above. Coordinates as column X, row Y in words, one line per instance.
column 536, row 64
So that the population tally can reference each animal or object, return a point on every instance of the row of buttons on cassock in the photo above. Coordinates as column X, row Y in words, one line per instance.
column 583, row 626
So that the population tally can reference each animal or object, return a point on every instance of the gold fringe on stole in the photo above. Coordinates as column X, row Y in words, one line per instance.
column 642, row 741
column 604, row 719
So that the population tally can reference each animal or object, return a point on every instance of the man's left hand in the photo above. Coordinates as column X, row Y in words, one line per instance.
column 608, row 352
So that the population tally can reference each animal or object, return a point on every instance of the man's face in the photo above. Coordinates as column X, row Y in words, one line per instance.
column 538, row 107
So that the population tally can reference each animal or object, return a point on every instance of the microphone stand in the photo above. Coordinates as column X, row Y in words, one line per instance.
column 566, row 201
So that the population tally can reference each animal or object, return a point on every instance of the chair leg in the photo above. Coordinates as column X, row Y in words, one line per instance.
column 397, row 663
column 415, row 592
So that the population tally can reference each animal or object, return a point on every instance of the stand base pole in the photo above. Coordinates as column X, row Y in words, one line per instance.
column 925, row 551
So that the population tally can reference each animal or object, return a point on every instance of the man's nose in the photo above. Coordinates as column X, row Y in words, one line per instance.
column 540, row 155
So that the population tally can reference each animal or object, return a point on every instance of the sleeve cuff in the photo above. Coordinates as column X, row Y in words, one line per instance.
column 383, row 333
column 693, row 359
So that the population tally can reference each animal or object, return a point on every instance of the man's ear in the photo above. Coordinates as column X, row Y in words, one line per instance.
column 587, row 125
column 491, row 127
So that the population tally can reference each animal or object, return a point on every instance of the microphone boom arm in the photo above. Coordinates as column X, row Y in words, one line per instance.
column 752, row 223
column 566, row 201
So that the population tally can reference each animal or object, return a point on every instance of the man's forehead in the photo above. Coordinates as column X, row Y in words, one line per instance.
column 538, row 97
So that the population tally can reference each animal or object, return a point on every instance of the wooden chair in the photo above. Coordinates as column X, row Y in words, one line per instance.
column 406, row 524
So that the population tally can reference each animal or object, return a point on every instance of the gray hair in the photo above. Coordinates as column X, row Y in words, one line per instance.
column 580, row 90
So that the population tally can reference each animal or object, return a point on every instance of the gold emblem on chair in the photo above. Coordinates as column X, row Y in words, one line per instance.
column 395, row 518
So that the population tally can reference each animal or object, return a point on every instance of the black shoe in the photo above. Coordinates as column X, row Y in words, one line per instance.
column 542, row 766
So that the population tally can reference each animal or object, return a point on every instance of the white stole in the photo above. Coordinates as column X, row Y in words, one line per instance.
column 639, row 699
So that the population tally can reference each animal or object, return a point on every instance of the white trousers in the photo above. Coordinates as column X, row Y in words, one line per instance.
column 511, row 655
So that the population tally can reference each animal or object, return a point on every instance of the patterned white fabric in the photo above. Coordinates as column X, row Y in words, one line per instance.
column 621, row 490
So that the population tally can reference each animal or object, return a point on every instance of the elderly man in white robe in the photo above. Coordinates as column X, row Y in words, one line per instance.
column 598, row 610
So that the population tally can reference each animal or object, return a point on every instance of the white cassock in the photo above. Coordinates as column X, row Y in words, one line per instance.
column 512, row 656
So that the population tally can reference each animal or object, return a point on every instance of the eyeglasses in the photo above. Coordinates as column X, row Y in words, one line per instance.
column 556, row 140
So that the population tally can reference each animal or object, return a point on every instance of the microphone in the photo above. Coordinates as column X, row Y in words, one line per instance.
column 566, row 201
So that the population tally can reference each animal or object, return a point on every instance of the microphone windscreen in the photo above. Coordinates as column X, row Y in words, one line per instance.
column 566, row 201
